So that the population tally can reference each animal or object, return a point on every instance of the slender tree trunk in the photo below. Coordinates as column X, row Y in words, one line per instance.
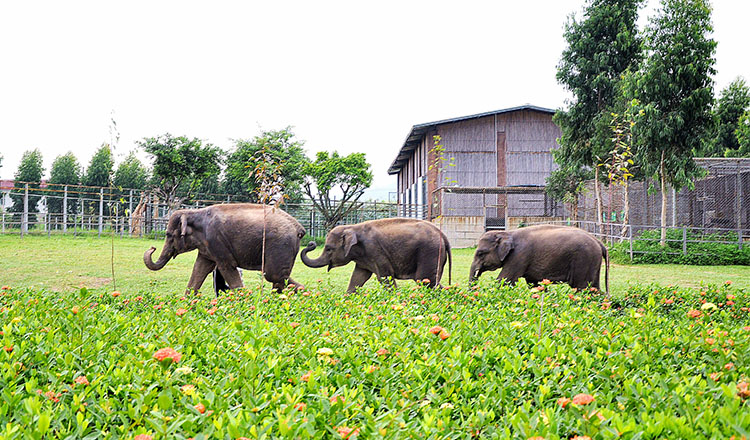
column 598, row 193
column 663, row 241
column 626, row 212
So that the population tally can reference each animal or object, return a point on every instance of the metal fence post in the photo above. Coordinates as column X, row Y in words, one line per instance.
column 630, row 238
column 101, row 210
column 684, row 240
column 65, row 210
column 739, row 239
column 48, row 224
column 25, row 215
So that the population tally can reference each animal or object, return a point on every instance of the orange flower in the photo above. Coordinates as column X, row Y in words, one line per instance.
column 444, row 334
column 212, row 310
column 300, row 406
column 583, row 399
column 729, row 366
column 115, row 294
column 714, row 376
column 180, row 312
column 546, row 282
column 538, row 437
column 435, row 330
column 294, row 324
column 694, row 313
column 200, row 408
column 81, row 380
column 335, row 399
column 8, row 349
column 306, row 377
column 143, row 437
column 382, row 352
column 346, row 432
column 710, row 341
column 742, row 390
column 563, row 401
column 581, row 437
column 167, row 353
column 5, row 288
column 668, row 301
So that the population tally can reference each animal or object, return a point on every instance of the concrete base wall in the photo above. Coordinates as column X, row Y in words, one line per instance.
column 514, row 222
column 462, row 232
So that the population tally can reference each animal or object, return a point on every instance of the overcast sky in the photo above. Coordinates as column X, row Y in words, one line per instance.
column 348, row 76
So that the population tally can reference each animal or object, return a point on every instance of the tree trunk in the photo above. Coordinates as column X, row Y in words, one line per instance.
column 626, row 212
column 663, row 240
column 598, row 193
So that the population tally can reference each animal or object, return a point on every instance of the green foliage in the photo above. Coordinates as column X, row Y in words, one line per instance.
column 100, row 170
column 65, row 171
column 732, row 104
column 82, row 365
column 29, row 170
column 349, row 176
column 600, row 49
column 131, row 173
column 180, row 164
column 675, row 90
column 282, row 146
column 648, row 251
column 743, row 135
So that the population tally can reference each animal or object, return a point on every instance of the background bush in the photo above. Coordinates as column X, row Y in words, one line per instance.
column 697, row 253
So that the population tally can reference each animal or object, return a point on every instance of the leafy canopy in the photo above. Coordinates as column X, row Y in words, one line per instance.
column 99, row 172
column 675, row 88
column 131, row 173
column 181, row 164
column 29, row 170
column 65, row 171
column 733, row 102
column 282, row 148
column 743, row 136
column 331, row 174
column 601, row 47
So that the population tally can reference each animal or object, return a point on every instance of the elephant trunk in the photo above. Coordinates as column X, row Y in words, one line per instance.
column 163, row 258
column 475, row 271
column 314, row 263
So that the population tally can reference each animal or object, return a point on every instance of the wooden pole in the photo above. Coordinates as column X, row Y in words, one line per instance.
column 65, row 210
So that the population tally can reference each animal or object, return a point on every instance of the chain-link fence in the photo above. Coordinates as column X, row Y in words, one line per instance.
column 33, row 208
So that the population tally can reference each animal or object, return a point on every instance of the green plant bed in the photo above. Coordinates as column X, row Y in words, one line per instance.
column 646, row 249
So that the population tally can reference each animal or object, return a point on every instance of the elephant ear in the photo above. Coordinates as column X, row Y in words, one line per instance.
column 350, row 239
column 504, row 246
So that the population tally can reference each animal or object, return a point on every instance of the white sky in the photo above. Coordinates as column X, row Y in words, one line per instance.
column 350, row 76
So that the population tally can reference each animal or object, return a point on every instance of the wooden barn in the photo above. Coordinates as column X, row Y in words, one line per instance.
column 490, row 175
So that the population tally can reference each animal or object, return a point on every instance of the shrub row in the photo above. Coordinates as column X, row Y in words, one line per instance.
column 646, row 249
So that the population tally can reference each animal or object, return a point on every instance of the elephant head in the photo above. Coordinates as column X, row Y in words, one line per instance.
column 338, row 251
column 491, row 252
column 182, row 236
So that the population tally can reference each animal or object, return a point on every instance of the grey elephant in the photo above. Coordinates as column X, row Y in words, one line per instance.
column 393, row 248
column 555, row 253
column 228, row 237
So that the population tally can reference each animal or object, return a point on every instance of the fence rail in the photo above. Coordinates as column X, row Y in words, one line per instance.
column 75, row 209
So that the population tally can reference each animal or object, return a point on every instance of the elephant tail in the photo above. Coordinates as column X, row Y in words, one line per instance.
column 605, row 254
column 450, row 261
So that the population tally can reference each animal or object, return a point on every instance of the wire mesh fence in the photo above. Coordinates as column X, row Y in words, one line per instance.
column 33, row 208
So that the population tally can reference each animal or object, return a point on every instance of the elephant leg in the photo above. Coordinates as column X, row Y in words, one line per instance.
column 279, row 286
column 358, row 279
column 387, row 282
column 202, row 267
column 511, row 276
column 231, row 275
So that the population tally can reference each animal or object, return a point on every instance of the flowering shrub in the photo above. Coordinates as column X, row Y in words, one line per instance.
column 651, row 361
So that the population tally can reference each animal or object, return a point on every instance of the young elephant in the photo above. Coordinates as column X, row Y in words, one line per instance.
column 398, row 248
column 556, row 253
column 228, row 237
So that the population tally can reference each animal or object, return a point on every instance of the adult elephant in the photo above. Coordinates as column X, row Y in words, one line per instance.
column 230, row 236
column 393, row 248
column 556, row 253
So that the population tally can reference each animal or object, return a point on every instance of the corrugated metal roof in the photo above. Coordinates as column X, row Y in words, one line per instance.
column 417, row 132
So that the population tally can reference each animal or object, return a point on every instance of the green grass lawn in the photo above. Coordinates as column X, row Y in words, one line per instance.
column 66, row 263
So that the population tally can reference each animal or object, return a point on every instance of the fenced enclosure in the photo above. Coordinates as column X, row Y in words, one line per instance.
column 76, row 209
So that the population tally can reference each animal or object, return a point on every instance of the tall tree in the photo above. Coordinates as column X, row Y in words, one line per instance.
column 30, row 170
column 601, row 47
column 282, row 147
column 180, row 164
column 131, row 173
column 100, row 170
column 733, row 102
column 331, row 174
column 65, row 171
column 675, row 90
column 743, row 136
